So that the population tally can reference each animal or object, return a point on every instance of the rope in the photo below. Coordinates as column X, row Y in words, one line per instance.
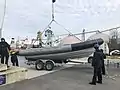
column 66, row 30
column 107, row 76
column 47, row 26
column 51, row 20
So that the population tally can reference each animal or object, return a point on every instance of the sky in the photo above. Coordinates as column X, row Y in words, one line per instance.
column 25, row 17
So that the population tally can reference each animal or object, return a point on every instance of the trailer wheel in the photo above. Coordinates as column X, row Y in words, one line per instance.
column 49, row 65
column 39, row 65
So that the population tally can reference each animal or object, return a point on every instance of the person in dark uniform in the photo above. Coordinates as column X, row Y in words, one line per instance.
column 4, row 51
column 103, row 67
column 97, row 65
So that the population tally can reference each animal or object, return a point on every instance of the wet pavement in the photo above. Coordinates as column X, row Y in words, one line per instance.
column 73, row 78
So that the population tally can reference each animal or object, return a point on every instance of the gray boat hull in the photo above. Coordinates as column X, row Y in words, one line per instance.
column 77, row 50
column 63, row 56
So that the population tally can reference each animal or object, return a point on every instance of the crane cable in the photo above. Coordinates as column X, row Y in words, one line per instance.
column 53, row 20
column 49, row 23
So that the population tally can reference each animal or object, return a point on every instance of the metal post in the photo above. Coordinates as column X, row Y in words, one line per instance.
column 2, row 23
column 108, row 62
column 83, row 35
column 118, row 65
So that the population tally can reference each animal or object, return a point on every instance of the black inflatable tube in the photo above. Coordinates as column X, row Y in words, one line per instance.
column 74, row 47
column 86, row 44
column 44, row 51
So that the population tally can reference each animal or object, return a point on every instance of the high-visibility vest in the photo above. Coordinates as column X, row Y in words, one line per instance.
column 12, row 52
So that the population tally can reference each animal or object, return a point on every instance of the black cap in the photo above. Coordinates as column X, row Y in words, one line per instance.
column 2, row 39
column 96, row 46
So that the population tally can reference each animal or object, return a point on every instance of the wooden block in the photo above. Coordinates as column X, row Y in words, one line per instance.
column 3, row 67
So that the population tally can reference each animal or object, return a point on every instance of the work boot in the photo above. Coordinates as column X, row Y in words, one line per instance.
column 8, row 66
column 91, row 83
column 100, row 82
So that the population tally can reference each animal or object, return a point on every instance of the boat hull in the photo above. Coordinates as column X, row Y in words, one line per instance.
column 63, row 56
column 77, row 50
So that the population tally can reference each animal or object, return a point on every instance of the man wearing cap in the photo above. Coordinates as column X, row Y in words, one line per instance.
column 4, row 51
column 97, row 65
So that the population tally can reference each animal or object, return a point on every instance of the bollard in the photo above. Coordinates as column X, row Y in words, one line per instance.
column 108, row 63
column 117, row 65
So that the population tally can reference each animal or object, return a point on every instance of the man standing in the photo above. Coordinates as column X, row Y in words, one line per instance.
column 97, row 65
column 49, row 34
column 4, row 51
column 13, row 53
column 39, row 38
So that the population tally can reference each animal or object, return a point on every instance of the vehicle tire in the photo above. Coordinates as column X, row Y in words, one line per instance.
column 90, row 59
column 39, row 65
column 66, row 61
column 49, row 65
